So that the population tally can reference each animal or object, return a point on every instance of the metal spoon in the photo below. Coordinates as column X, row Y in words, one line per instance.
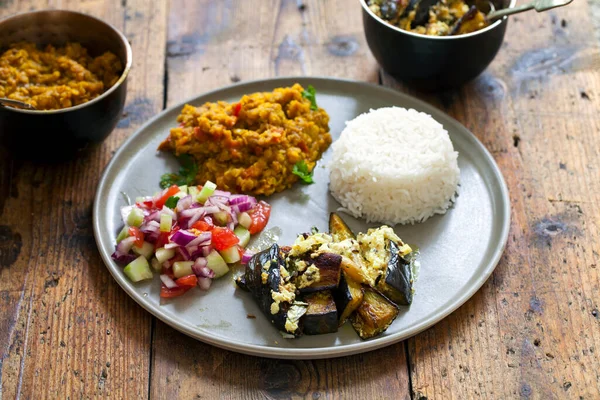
column 538, row 5
column 15, row 103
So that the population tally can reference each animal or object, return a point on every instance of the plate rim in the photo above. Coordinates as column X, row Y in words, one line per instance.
column 306, row 353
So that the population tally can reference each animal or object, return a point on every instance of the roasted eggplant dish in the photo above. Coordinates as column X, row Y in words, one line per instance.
column 325, row 279
column 430, row 17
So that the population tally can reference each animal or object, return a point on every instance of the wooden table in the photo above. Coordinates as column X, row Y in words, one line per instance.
column 67, row 330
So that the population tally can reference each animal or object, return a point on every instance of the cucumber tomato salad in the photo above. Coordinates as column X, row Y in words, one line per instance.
column 190, row 235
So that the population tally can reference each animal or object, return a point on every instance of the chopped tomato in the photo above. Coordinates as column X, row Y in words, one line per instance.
column 167, row 293
column 163, row 238
column 145, row 204
column 223, row 238
column 236, row 109
column 173, row 190
column 260, row 216
column 303, row 147
column 139, row 236
column 202, row 226
column 187, row 281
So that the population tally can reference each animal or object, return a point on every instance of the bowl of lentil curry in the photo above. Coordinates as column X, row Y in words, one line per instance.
column 425, row 55
column 73, row 69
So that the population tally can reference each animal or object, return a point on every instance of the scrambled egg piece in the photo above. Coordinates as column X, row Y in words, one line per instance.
column 310, row 276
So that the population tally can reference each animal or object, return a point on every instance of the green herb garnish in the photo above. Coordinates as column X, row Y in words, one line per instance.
column 310, row 93
column 301, row 169
column 186, row 176
column 172, row 202
column 314, row 230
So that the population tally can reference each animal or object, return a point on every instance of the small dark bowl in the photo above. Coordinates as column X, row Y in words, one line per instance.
column 60, row 133
column 432, row 63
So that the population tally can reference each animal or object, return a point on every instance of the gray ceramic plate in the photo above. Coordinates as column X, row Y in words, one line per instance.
column 459, row 250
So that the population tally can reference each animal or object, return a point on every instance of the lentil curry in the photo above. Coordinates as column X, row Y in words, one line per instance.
column 55, row 78
column 252, row 146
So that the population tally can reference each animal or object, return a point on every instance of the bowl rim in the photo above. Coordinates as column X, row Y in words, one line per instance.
column 124, row 74
column 366, row 8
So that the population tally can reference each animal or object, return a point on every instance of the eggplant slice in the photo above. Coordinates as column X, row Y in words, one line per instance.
column 329, row 272
column 269, row 262
column 374, row 315
column 321, row 315
column 397, row 285
column 338, row 228
column 348, row 296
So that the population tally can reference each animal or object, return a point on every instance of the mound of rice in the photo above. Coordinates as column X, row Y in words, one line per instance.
column 394, row 166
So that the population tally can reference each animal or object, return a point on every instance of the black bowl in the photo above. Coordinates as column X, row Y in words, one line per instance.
column 432, row 62
column 60, row 133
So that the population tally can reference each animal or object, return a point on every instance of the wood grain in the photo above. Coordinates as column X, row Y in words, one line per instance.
column 67, row 329
column 532, row 330
column 212, row 44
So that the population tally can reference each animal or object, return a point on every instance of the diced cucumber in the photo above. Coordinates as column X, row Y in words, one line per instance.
column 231, row 255
column 156, row 265
column 138, row 270
column 135, row 217
column 184, row 189
column 166, row 221
column 207, row 190
column 216, row 263
column 193, row 191
column 146, row 250
column 243, row 234
column 182, row 268
column 181, row 195
column 221, row 218
column 123, row 234
column 245, row 220
column 163, row 254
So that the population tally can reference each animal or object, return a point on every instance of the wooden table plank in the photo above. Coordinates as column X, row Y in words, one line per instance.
column 212, row 44
column 67, row 329
column 532, row 331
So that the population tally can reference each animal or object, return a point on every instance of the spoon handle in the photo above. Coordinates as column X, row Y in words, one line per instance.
column 539, row 5
column 509, row 11
column 15, row 103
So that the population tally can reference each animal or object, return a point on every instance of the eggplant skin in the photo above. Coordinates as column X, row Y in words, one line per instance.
column 252, row 281
column 321, row 315
column 374, row 315
column 347, row 296
column 330, row 269
column 397, row 285
column 338, row 229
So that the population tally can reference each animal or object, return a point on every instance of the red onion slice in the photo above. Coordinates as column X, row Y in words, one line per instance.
column 182, row 237
column 247, row 256
column 201, row 239
column 168, row 282
column 184, row 203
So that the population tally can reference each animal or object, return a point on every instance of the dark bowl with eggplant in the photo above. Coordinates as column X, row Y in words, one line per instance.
column 325, row 279
column 431, row 55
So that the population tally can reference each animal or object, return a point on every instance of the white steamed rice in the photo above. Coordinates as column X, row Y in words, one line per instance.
column 394, row 166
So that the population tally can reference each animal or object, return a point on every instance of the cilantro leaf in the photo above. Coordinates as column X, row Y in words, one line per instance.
column 187, row 173
column 172, row 202
column 301, row 169
column 310, row 93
